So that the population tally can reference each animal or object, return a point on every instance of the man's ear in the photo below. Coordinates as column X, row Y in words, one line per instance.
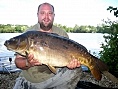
column 37, row 14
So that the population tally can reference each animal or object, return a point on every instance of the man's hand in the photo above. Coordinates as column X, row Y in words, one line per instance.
column 25, row 63
column 32, row 61
column 73, row 64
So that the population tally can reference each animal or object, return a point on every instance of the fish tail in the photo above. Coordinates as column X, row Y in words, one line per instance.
column 96, row 73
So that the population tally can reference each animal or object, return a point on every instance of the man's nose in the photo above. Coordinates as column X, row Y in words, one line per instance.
column 46, row 16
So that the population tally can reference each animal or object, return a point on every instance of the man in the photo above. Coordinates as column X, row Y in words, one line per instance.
column 38, row 76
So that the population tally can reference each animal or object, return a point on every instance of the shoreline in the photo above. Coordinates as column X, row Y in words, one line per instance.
column 7, row 81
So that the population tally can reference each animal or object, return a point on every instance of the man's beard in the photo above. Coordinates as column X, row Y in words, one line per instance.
column 45, row 28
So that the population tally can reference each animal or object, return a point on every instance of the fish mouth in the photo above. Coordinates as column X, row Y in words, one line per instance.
column 10, row 49
column 6, row 43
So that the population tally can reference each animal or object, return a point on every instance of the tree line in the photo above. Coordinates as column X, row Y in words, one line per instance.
column 9, row 28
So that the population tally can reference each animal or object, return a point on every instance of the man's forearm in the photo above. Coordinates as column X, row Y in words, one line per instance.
column 22, row 63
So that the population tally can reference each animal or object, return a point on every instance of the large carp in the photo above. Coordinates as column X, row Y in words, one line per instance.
column 55, row 51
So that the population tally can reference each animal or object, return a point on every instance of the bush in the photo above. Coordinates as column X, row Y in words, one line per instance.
column 109, row 54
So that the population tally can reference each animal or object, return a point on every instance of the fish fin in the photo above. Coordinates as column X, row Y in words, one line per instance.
column 26, row 52
column 53, row 69
column 101, row 65
column 54, row 34
column 96, row 73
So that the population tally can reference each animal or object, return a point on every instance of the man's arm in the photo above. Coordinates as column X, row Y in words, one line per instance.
column 24, row 64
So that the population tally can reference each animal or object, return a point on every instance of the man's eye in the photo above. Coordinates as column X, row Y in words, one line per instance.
column 50, row 13
column 41, row 12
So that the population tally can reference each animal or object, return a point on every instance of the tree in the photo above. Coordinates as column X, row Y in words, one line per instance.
column 109, row 54
column 115, row 10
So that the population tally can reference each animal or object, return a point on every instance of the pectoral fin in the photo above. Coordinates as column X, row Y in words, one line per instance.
column 26, row 53
column 53, row 69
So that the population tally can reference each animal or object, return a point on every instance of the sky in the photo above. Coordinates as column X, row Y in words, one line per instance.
column 67, row 12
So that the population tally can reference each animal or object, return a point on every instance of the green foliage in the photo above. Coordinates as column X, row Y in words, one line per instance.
column 6, row 28
column 79, row 29
column 67, row 29
column 84, row 29
column 12, row 28
column 9, row 28
column 109, row 54
column 115, row 10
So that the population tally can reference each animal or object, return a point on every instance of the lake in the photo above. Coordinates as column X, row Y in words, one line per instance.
column 92, row 41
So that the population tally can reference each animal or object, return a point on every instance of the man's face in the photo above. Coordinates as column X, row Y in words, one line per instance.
column 45, row 17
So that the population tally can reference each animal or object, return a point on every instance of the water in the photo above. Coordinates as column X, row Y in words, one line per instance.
column 92, row 41
column 3, row 49
column 5, row 65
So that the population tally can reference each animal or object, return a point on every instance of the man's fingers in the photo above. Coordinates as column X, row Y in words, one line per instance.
column 30, row 56
column 33, row 61
column 73, row 64
column 78, row 64
column 70, row 65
